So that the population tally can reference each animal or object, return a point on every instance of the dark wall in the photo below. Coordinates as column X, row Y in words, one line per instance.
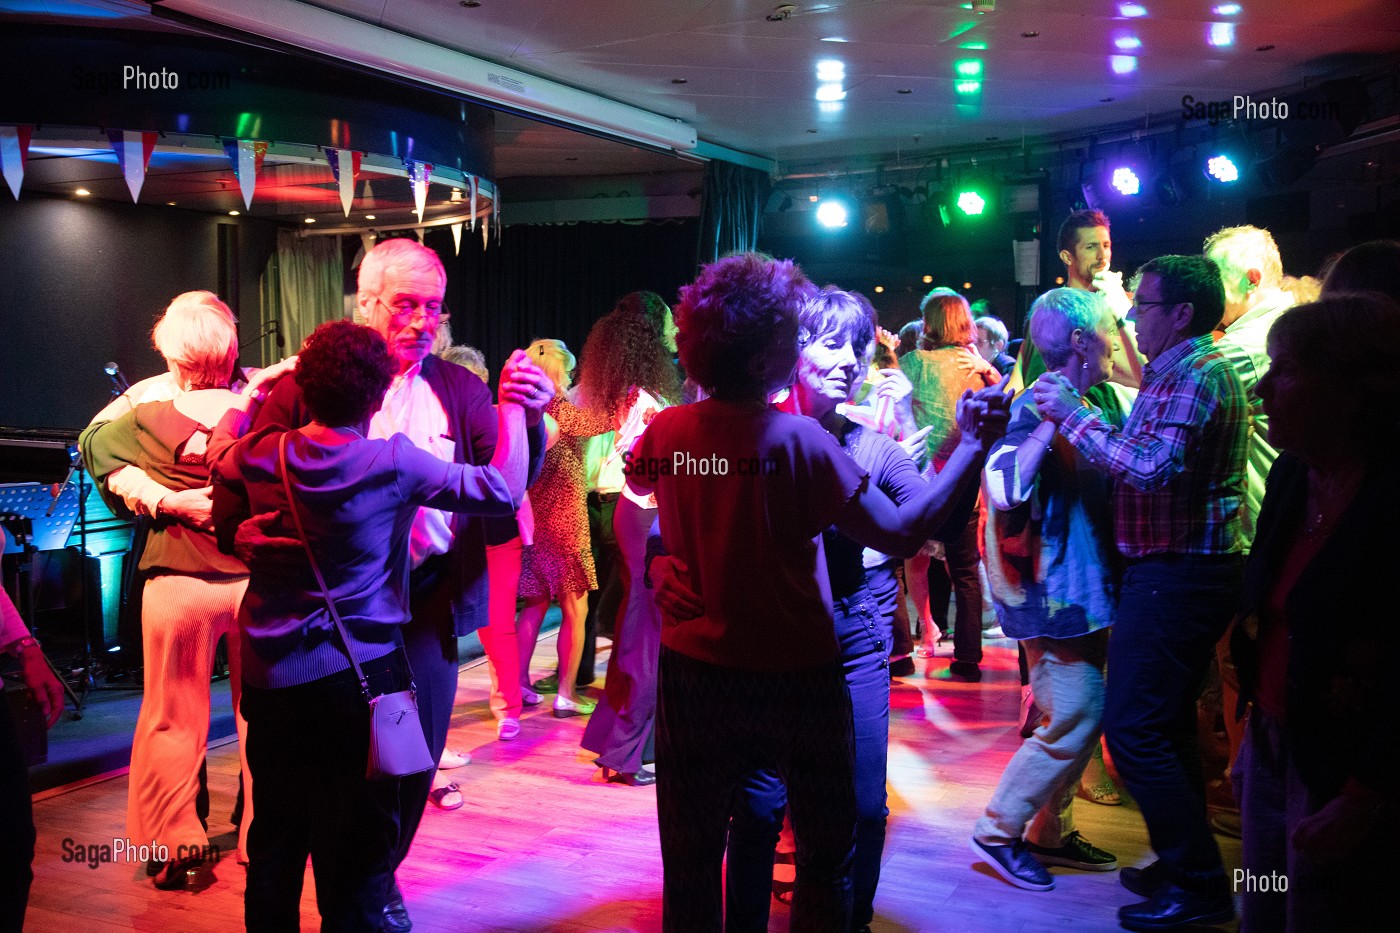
column 82, row 282
column 556, row 280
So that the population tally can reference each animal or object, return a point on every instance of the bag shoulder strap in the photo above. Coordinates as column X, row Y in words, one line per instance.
column 315, row 567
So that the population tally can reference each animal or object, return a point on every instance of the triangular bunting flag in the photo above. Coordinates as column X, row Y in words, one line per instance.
column 133, row 149
column 367, row 241
column 419, row 232
column 457, row 239
column 485, row 232
column 14, row 150
column 472, row 179
column 247, row 158
column 496, row 211
column 418, row 173
column 345, row 166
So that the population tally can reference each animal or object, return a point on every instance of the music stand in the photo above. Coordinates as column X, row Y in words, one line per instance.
column 34, row 518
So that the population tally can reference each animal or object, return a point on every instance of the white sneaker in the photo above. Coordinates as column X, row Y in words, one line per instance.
column 451, row 759
column 507, row 729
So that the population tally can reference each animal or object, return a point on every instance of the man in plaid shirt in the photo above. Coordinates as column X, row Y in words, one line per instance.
column 1178, row 465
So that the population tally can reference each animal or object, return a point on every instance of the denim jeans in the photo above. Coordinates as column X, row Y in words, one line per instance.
column 863, row 631
column 1038, row 785
column 1172, row 609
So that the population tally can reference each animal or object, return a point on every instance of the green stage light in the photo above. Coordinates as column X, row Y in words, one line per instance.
column 971, row 203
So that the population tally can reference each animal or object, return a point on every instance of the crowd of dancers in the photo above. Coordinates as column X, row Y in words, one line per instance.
column 1173, row 490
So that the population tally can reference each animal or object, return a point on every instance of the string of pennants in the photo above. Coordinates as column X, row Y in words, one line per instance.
column 133, row 149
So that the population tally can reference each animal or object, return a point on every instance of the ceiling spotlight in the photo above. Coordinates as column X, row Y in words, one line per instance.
column 234, row 213
column 968, row 68
column 835, row 39
column 1221, row 35
column 967, row 286
column 832, row 214
column 1227, row 9
column 1127, row 43
column 879, row 289
column 831, row 69
column 311, row 220
column 82, row 192
column 169, row 203
column 967, row 87
column 928, row 280
column 1132, row 10
column 830, row 92
column 369, row 217
column 1126, row 181
column 971, row 203
column 1122, row 64
column 1222, row 168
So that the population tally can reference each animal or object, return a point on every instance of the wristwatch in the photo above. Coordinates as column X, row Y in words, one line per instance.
column 23, row 645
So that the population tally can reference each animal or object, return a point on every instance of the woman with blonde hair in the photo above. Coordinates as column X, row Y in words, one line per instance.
column 192, row 591
column 558, row 566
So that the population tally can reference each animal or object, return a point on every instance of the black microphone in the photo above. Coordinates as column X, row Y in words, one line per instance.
column 119, row 383
column 277, row 329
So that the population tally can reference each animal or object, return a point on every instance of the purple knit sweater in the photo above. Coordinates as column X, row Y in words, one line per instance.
column 357, row 501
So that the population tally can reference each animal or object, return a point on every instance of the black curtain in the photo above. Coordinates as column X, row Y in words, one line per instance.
column 731, row 210
column 556, row 280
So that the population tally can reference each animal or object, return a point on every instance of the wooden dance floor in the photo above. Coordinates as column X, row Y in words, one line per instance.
column 544, row 845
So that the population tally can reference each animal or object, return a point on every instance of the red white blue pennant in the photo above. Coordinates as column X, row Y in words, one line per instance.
column 133, row 149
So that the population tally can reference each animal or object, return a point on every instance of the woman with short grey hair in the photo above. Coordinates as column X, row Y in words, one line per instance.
column 1052, row 567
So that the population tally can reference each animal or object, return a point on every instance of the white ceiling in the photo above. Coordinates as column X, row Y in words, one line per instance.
column 750, row 83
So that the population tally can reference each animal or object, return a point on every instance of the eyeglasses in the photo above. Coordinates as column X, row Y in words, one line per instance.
column 1138, row 303
column 406, row 311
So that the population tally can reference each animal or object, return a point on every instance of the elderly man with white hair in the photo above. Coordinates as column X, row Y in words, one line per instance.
column 1052, row 567
column 1252, row 271
column 192, row 591
column 446, row 411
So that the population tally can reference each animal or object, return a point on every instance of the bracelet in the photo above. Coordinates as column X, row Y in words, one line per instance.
column 28, row 641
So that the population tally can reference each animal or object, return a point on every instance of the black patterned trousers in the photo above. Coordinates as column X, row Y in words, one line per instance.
column 714, row 726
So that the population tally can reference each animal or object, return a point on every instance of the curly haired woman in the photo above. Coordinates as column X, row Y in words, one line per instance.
column 627, row 368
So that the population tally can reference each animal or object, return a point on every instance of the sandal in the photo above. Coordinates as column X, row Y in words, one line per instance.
column 448, row 797
column 1105, row 792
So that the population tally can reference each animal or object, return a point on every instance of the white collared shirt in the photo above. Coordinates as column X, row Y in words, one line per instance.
column 411, row 408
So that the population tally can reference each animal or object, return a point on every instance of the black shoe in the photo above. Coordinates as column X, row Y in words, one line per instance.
column 1014, row 864
column 966, row 671
column 1144, row 881
column 1174, row 907
column 395, row 912
column 1032, row 720
column 1075, row 853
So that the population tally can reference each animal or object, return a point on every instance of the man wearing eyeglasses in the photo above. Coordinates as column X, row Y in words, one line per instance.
column 1180, row 462
column 447, row 411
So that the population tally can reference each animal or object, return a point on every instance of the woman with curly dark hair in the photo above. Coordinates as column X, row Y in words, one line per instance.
column 308, row 723
column 627, row 367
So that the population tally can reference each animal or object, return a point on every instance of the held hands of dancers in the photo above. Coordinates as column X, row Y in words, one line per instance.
column 983, row 415
column 524, row 383
column 1055, row 397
